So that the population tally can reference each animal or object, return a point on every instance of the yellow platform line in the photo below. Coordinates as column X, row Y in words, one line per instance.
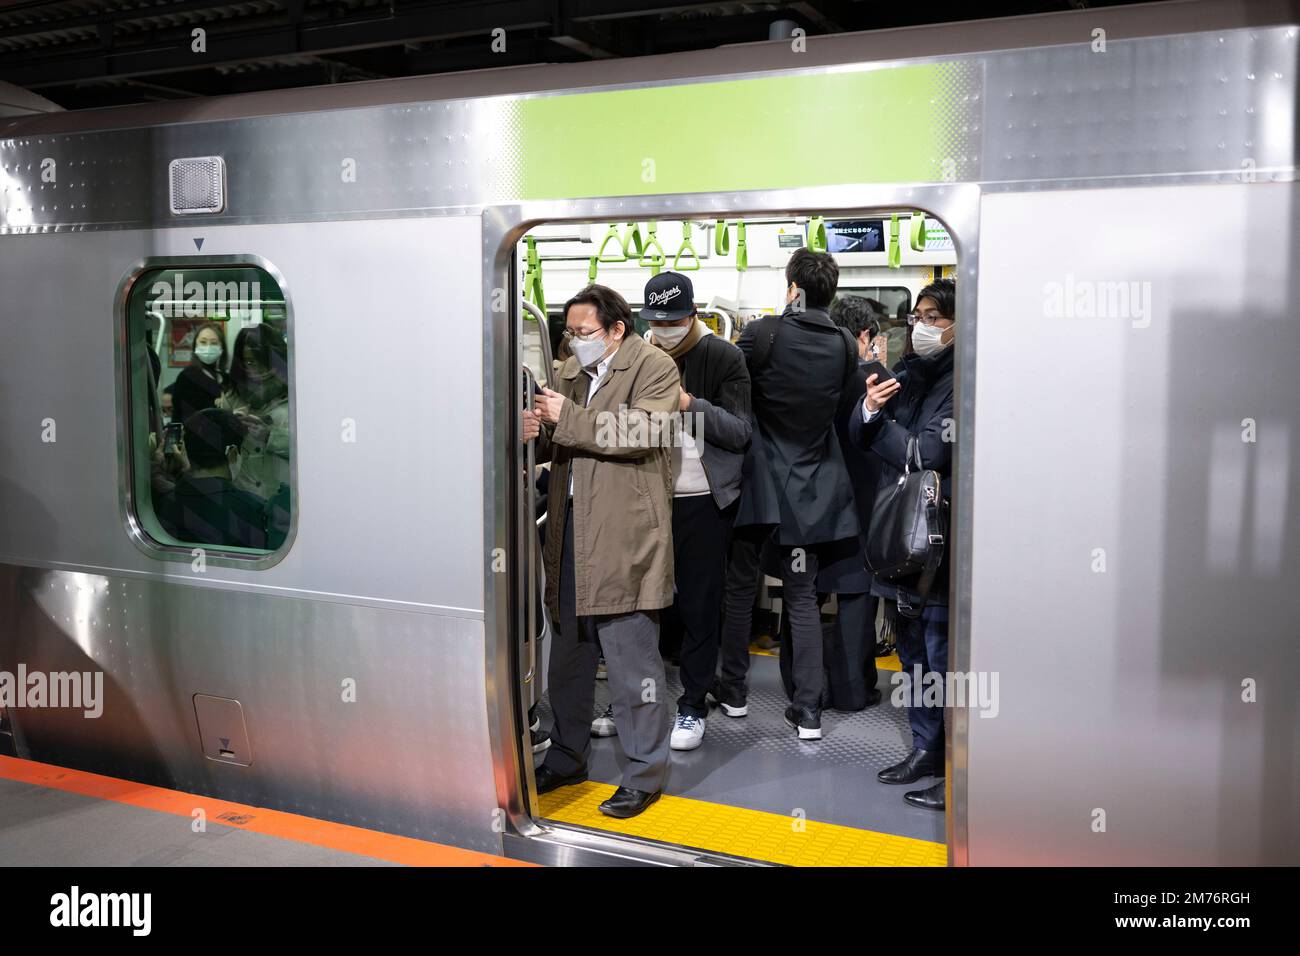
column 890, row 663
column 752, row 834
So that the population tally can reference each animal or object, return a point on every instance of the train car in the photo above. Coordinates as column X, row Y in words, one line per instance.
column 1114, row 191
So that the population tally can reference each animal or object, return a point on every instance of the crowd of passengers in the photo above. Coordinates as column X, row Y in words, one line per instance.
column 794, row 441
column 223, row 477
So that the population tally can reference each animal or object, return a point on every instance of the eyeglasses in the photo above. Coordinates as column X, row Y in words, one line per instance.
column 582, row 336
column 925, row 318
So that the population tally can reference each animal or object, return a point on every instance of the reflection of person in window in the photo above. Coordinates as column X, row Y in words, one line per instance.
column 259, row 375
column 202, row 383
column 205, row 507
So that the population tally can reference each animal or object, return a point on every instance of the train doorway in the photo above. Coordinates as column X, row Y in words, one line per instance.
column 752, row 791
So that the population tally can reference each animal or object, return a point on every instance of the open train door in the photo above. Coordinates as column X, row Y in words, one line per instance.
column 538, row 371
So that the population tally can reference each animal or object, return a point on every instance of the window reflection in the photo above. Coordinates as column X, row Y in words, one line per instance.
column 211, row 416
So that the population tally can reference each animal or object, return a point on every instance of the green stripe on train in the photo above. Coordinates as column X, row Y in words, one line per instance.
column 904, row 124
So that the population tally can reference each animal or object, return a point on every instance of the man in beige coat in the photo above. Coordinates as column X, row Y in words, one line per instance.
column 609, row 552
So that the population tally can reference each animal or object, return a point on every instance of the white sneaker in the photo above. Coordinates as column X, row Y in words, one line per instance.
column 603, row 726
column 688, row 732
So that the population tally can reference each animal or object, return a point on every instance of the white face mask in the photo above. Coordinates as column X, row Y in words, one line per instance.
column 588, row 353
column 670, row 336
column 927, row 340
column 208, row 354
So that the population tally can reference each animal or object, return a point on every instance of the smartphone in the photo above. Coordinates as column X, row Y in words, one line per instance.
column 877, row 368
column 171, row 437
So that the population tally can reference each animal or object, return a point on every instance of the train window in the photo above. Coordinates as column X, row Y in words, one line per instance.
column 891, row 297
column 210, row 413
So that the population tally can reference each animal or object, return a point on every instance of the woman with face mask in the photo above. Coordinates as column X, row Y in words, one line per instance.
column 259, row 397
column 205, row 381
column 918, row 404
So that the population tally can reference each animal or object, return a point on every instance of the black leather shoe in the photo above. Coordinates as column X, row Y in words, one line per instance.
column 548, row 779
column 806, row 723
column 627, row 802
column 874, row 696
column 931, row 798
column 918, row 764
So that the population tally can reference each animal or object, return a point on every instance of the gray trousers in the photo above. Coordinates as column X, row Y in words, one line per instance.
column 637, row 685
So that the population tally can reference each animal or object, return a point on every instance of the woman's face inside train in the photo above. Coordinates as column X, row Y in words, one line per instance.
column 207, row 345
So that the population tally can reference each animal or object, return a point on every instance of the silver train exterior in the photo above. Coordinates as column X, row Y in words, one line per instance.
column 1125, row 563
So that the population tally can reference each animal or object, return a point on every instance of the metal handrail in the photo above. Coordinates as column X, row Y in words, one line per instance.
column 530, row 502
column 547, row 359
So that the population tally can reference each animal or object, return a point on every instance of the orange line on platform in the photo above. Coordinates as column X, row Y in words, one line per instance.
column 276, row 823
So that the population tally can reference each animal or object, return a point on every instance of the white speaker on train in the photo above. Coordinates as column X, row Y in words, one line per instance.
column 198, row 185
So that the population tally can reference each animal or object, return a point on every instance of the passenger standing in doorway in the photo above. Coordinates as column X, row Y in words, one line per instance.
column 918, row 404
column 708, row 453
column 609, row 553
column 798, row 491
column 850, row 643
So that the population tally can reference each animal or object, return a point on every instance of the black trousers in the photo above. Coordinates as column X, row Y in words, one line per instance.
column 741, row 590
column 799, row 590
column 848, row 652
column 701, row 536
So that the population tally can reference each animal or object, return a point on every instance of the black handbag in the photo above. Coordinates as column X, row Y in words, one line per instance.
column 908, row 528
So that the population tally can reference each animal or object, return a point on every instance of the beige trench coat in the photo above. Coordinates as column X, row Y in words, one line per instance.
column 619, row 452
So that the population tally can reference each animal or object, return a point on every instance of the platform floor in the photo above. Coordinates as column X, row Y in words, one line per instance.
column 53, row 816
column 754, row 790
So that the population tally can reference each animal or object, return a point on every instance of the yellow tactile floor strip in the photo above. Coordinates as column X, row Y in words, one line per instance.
column 890, row 663
column 752, row 834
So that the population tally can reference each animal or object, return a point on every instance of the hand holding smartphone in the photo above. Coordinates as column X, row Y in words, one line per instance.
column 878, row 369
column 171, row 437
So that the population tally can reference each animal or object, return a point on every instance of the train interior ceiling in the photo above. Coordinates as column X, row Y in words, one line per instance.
column 752, row 770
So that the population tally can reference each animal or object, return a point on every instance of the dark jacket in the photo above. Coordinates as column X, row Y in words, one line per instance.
column 194, row 391
column 213, row 511
column 715, row 376
column 795, row 473
column 849, row 575
column 923, row 407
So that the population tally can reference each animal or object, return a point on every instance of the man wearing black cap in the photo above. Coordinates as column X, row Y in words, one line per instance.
column 708, row 452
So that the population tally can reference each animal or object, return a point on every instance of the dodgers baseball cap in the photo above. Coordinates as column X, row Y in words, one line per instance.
column 669, row 296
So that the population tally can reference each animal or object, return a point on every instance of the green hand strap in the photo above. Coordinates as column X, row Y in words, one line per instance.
column 632, row 240
column 918, row 232
column 895, row 247
column 591, row 269
column 612, row 236
column 721, row 238
column 656, row 261
column 742, row 253
column 817, row 234
column 533, row 276
column 687, row 246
